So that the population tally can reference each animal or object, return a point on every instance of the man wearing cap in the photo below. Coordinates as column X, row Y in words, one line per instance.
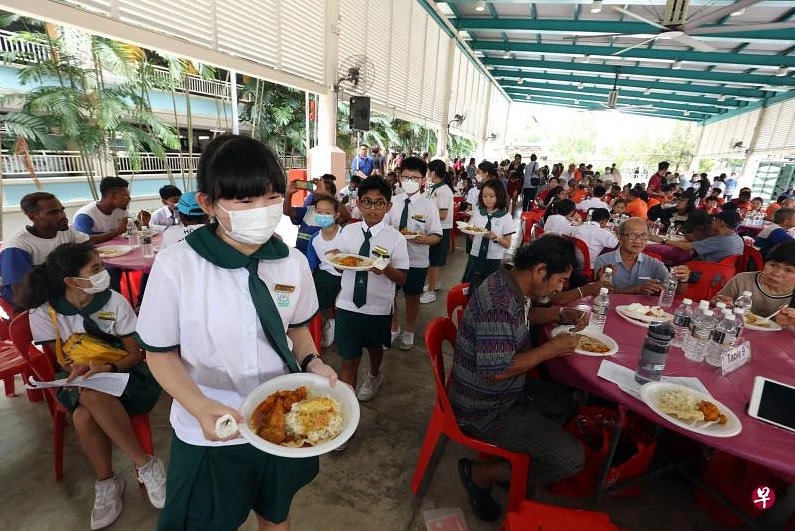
column 721, row 241
column 191, row 217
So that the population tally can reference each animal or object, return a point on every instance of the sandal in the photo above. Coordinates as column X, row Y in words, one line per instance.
column 480, row 500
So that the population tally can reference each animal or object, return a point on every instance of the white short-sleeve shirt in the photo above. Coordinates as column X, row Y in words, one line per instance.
column 164, row 217
column 176, row 233
column 116, row 317
column 557, row 224
column 102, row 222
column 442, row 197
column 322, row 246
column 207, row 313
column 595, row 237
column 40, row 248
column 472, row 196
column 380, row 290
column 502, row 226
column 423, row 217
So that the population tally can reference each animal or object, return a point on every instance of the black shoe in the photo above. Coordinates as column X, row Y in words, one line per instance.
column 483, row 505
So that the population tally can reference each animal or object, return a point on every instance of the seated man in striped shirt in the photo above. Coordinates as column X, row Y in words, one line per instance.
column 492, row 399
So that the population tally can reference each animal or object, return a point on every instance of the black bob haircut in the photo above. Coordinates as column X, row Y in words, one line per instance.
column 168, row 191
column 551, row 250
column 375, row 183
column 783, row 253
column 239, row 167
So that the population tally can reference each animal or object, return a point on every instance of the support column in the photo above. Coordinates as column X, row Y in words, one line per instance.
column 484, row 126
column 233, row 99
column 326, row 157
column 444, row 128
column 745, row 174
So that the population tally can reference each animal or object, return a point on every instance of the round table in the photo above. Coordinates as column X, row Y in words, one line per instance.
column 773, row 356
column 134, row 260
column 672, row 256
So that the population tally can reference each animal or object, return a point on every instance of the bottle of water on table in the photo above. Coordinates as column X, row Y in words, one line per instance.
column 132, row 233
column 682, row 318
column 669, row 291
column 744, row 302
column 146, row 244
column 601, row 304
column 700, row 333
column 655, row 228
column 739, row 323
column 607, row 276
column 721, row 339
column 655, row 352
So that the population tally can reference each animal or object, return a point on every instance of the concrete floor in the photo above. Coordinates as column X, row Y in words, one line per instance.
column 365, row 487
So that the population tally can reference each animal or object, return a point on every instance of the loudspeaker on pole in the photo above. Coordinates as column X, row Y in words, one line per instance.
column 360, row 113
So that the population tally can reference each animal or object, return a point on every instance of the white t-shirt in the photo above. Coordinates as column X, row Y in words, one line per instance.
column 206, row 312
column 472, row 197
column 177, row 233
column 592, row 202
column 380, row 290
column 595, row 237
column 40, row 248
column 501, row 226
column 321, row 246
column 442, row 197
column 116, row 317
column 557, row 224
column 423, row 217
column 99, row 222
column 164, row 217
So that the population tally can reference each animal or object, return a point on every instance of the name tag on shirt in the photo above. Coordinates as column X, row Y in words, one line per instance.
column 106, row 316
column 418, row 217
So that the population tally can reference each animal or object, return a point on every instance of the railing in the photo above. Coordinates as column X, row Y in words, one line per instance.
column 195, row 84
column 17, row 49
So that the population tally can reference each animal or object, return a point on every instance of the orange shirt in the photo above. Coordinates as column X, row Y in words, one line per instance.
column 638, row 208
column 578, row 195
column 772, row 207
column 653, row 201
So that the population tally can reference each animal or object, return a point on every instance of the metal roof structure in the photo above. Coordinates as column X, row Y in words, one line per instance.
column 683, row 59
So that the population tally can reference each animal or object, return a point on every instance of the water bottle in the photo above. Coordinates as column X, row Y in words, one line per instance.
column 744, row 302
column 739, row 323
column 668, row 292
column 720, row 305
column 132, row 233
column 655, row 228
column 601, row 304
column 146, row 245
column 671, row 231
column 589, row 217
column 701, row 331
column 654, row 352
column 682, row 318
column 721, row 339
column 607, row 276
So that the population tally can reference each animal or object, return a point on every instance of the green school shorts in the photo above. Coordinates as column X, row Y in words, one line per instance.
column 437, row 254
column 356, row 331
column 415, row 280
column 213, row 488
column 327, row 287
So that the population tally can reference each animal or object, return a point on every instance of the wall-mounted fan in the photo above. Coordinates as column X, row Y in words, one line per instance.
column 457, row 120
column 355, row 75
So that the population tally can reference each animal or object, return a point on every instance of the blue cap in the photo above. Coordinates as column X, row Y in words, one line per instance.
column 187, row 205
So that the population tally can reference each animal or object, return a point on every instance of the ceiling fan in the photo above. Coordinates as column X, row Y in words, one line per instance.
column 612, row 99
column 676, row 25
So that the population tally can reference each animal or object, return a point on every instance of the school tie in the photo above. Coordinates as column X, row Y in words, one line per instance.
column 404, row 216
column 360, row 280
column 484, row 242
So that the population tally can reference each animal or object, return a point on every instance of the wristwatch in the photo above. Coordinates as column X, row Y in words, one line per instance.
column 113, row 367
column 307, row 360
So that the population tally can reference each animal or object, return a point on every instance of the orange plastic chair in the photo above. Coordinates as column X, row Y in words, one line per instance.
column 707, row 279
column 581, row 246
column 532, row 515
column 42, row 365
column 443, row 421
column 457, row 299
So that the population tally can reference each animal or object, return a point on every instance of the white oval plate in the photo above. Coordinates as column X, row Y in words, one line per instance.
column 332, row 259
column 472, row 232
column 604, row 338
column 641, row 320
column 650, row 395
column 409, row 236
column 317, row 385
column 774, row 327
column 113, row 251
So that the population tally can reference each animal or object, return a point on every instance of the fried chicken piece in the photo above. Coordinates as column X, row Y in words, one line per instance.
column 273, row 431
column 711, row 412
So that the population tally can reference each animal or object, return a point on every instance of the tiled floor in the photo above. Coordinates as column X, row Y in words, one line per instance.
column 365, row 487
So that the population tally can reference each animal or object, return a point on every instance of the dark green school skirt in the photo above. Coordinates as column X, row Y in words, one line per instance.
column 327, row 287
column 139, row 397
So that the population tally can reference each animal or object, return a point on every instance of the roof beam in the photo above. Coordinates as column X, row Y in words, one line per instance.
column 573, row 78
column 667, row 73
column 569, row 27
column 554, row 100
column 754, row 60
column 600, row 98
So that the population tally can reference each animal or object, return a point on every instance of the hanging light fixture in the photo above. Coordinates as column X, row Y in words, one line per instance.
column 721, row 97
column 586, row 58
column 576, row 102
column 647, row 91
column 521, row 80
column 686, row 113
column 580, row 85
column 480, row 7
column 506, row 55
column 596, row 6
column 676, row 65
column 782, row 71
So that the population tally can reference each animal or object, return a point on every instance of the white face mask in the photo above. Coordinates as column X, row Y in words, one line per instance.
column 410, row 187
column 254, row 226
column 99, row 282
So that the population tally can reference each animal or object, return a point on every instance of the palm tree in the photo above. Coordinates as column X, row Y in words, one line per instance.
column 276, row 115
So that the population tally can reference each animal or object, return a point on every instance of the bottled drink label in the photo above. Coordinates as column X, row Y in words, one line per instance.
column 682, row 320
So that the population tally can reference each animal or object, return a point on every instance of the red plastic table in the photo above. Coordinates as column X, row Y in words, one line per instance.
column 773, row 356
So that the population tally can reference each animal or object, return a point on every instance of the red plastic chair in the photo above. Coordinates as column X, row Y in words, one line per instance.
column 443, row 421
column 42, row 365
column 11, row 362
column 316, row 329
column 581, row 246
column 734, row 260
column 751, row 255
column 707, row 279
column 457, row 299
column 532, row 515
column 529, row 219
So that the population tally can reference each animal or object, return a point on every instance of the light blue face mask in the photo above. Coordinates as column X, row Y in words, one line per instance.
column 324, row 220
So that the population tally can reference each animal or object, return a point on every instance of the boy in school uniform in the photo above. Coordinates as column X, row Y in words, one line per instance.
column 166, row 216
column 415, row 213
column 364, row 304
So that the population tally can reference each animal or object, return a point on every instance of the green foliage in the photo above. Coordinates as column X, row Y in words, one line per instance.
column 706, row 165
column 276, row 114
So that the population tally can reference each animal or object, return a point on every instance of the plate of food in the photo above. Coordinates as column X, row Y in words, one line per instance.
column 299, row 415
column 641, row 315
column 113, row 251
column 350, row 262
column 472, row 230
column 409, row 234
column 690, row 409
column 760, row 324
column 592, row 343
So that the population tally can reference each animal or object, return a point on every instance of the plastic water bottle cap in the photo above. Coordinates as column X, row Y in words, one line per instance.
column 608, row 270
column 746, row 293
column 602, row 291
column 703, row 304
column 720, row 305
column 687, row 301
column 739, row 311
column 708, row 313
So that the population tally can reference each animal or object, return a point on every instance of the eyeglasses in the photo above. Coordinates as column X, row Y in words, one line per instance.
column 634, row 236
column 377, row 205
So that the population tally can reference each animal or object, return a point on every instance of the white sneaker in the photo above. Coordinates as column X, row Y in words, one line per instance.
column 369, row 387
column 428, row 297
column 153, row 476
column 395, row 334
column 108, row 502
column 405, row 341
column 328, row 334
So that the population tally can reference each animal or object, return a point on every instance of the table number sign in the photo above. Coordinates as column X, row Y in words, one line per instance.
column 735, row 357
